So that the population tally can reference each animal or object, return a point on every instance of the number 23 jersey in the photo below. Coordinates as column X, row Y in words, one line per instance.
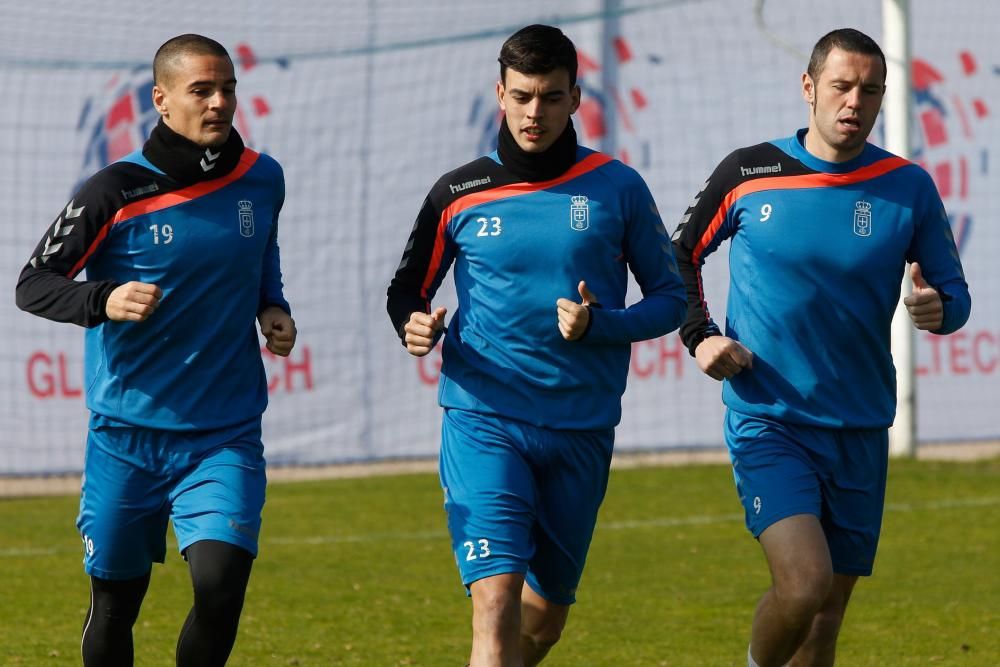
column 518, row 247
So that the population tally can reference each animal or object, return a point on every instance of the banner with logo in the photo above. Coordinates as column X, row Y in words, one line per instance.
column 365, row 104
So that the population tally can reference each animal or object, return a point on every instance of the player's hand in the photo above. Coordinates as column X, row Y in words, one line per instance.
column 924, row 303
column 133, row 302
column 422, row 330
column 278, row 328
column 721, row 357
column 574, row 317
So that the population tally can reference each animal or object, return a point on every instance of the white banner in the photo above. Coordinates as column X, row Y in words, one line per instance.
column 366, row 104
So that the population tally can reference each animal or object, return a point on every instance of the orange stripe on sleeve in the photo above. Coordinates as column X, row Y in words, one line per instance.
column 819, row 180
column 160, row 202
column 587, row 164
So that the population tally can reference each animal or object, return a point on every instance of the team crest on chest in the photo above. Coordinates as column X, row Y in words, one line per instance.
column 863, row 218
column 245, row 208
column 579, row 213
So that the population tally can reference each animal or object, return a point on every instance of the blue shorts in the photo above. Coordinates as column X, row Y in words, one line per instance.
column 209, row 483
column 522, row 499
column 837, row 475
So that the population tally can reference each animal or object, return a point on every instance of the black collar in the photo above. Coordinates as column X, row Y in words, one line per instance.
column 187, row 162
column 533, row 167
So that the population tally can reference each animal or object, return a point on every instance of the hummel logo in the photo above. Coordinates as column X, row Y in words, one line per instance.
column 687, row 214
column 753, row 171
column 73, row 212
column 50, row 249
column 59, row 230
column 138, row 192
column 248, row 530
column 468, row 184
column 212, row 157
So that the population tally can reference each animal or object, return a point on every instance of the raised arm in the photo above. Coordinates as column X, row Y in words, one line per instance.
column 940, row 302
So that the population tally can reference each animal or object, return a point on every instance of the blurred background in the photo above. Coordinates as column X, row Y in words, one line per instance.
column 366, row 102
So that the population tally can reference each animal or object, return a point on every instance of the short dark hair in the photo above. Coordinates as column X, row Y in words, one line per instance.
column 846, row 39
column 538, row 49
column 183, row 45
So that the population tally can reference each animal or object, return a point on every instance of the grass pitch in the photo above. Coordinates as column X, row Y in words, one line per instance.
column 359, row 572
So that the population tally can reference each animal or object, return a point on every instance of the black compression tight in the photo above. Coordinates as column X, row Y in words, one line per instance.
column 219, row 575
column 107, row 632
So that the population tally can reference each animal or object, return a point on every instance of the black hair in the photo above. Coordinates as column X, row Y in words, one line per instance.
column 538, row 49
column 846, row 39
column 183, row 45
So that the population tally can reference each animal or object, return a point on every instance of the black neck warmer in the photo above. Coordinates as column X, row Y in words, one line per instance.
column 533, row 167
column 187, row 162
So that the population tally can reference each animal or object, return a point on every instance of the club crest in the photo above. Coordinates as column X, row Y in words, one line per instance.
column 579, row 213
column 245, row 208
column 863, row 218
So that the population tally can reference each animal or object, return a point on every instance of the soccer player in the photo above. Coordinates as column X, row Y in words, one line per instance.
column 821, row 226
column 179, row 241
column 533, row 365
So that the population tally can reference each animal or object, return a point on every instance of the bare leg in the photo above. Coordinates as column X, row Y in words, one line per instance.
column 496, row 621
column 802, row 579
column 542, row 623
column 820, row 647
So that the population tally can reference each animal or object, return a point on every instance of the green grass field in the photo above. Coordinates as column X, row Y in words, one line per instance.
column 358, row 572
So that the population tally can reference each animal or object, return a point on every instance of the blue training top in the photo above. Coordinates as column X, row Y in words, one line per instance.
column 211, row 246
column 817, row 255
column 517, row 248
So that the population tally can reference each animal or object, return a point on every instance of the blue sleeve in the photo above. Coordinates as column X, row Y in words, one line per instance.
column 271, row 292
column 650, row 257
column 933, row 247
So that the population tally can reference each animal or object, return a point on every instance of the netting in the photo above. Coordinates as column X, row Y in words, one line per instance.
column 365, row 104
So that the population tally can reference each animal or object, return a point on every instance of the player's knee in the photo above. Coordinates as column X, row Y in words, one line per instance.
column 803, row 597
column 542, row 643
column 218, row 598
column 219, row 576
column 115, row 612
column 495, row 602
column 807, row 584
column 543, row 624
column 545, row 635
column 117, row 603
column 826, row 626
column 495, row 610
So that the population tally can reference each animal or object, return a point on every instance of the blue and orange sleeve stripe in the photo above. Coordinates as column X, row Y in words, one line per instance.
column 816, row 180
column 166, row 200
column 588, row 164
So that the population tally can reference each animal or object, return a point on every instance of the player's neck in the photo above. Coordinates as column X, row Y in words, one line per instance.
column 187, row 162
column 533, row 167
column 818, row 148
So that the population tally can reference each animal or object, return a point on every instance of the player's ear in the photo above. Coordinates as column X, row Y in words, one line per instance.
column 575, row 96
column 500, row 96
column 808, row 89
column 159, row 100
